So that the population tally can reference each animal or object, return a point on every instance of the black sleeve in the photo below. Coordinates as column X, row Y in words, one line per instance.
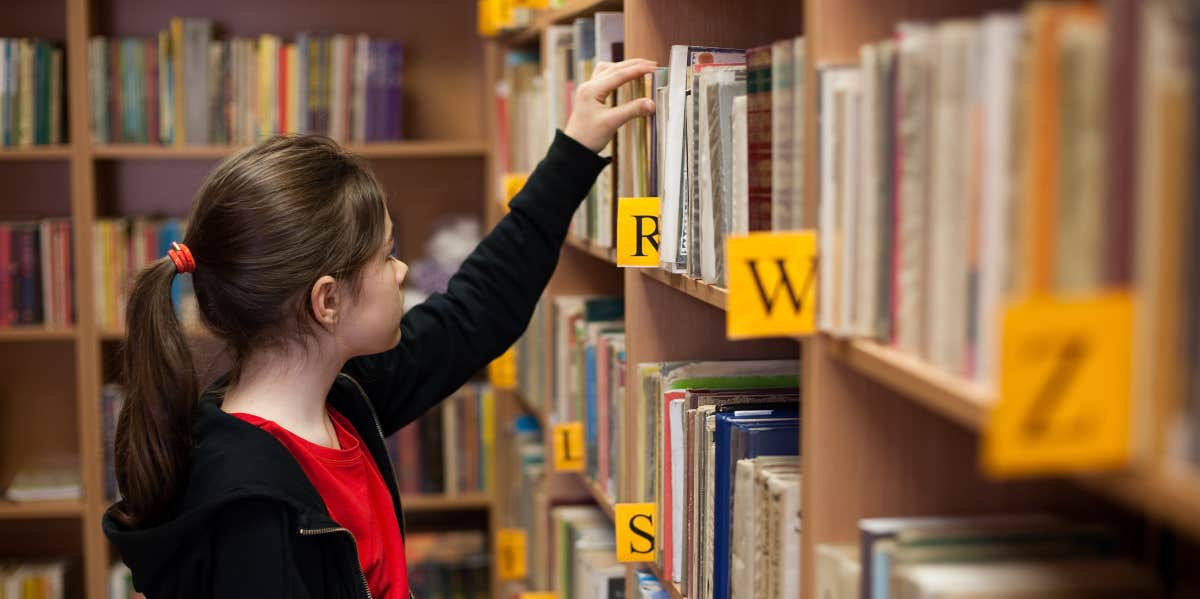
column 452, row 336
column 251, row 553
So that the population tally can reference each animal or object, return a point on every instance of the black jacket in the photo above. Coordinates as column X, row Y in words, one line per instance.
column 249, row 523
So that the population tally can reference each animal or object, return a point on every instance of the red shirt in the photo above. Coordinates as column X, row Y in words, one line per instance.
column 357, row 498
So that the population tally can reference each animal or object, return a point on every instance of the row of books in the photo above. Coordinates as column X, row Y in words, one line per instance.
column 728, row 130
column 185, row 87
column 969, row 164
column 122, row 247
column 696, row 422
column 450, row 448
column 998, row 556
column 36, row 273
column 31, row 94
column 448, row 565
column 33, row 580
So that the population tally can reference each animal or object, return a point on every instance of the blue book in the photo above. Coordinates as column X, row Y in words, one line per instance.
column 172, row 230
column 589, row 404
column 759, row 433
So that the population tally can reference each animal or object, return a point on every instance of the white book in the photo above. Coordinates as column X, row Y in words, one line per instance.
column 610, row 29
column 337, row 95
column 742, row 557
column 1002, row 45
column 784, row 494
column 740, row 218
column 783, row 199
column 678, row 463
column 849, row 185
column 838, row 571
column 871, row 163
column 947, row 253
column 707, row 82
column 830, row 154
column 799, row 67
column 554, row 38
column 1079, row 579
column 914, row 58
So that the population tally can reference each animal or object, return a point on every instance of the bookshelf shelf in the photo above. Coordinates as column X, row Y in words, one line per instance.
column 598, row 495
column 40, row 510
column 608, row 255
column 51, row 152
column 446, row 503
column 399, row 149
column 569, row 11
column 964, row 402
column 669, row 586
column 709, row 294
column 36, row 333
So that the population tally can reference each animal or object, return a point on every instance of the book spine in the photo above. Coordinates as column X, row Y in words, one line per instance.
column 758, row 132
column 282, row 90
column 153, row 133
column 27, row 85
column 56, row 98
column 6, row 276
column 302, row 94
column 394, row 106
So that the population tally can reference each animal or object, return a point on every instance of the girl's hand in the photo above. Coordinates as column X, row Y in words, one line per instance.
column 593, row 122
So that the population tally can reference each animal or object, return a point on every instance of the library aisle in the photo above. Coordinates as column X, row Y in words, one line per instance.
column 917, row 321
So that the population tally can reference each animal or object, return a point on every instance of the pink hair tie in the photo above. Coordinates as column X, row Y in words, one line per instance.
column 182, row 257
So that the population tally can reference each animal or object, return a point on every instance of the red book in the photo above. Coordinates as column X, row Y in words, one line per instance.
column 6, row 276
column 114, row 92
column 283, row 90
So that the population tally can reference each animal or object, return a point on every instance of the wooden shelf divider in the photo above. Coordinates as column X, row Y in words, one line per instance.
column 36, row 333
column 449, row 502
column 396, row 149
column 568, row 12
column 45, row 152
column 40, row 510
column 709, row 294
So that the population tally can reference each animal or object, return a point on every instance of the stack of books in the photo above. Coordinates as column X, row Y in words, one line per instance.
column 31, row 92
column 448, row 565
column 36, row 273
column 33, row 580
column 1001, row 556
column 450, row 448
column 723, row 152
column 123, row 247
column 185, row 87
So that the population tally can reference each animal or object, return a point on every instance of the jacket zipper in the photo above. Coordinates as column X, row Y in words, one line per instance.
column 379, row 429
column 308, row 532
column 362, row 394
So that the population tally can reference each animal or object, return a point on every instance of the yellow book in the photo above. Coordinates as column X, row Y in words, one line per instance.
column 293, row 89
column 177, row 66
column 268, row 117
column 487, row 402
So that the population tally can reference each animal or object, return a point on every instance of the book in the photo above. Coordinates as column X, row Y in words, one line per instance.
column 52, row 481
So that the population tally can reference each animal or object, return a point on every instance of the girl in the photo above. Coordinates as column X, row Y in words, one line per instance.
column 275, row 482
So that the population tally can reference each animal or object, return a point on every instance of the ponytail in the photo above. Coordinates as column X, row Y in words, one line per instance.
column 154, row 430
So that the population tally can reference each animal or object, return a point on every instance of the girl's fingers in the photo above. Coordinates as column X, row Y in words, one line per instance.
column 617, row 75
column 632, row 109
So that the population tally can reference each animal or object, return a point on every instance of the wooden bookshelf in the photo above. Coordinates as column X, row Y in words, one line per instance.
column 528, row 408
column 569, row 11
column 608, row 255
column 50, row 152
column 709, row 294
column 40, row 510
column 441, row 167
column 446, row 503
column 598, row 495
column 400, row 149
column 670, row 587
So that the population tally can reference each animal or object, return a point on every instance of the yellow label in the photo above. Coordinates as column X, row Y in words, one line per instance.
column 513, row 183
column 772, row 284
column 502, row 372
column 568, row 447
column 510, row 553
column 537, row 595
column 635, row 526
column 637, row 232
column 1065, row 377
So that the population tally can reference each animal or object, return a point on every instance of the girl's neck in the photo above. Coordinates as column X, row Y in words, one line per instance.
column 288, row 386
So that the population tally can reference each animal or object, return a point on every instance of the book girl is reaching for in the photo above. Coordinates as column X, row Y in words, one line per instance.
column 275, row 481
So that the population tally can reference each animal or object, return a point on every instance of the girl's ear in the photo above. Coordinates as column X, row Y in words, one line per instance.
column 324, row 302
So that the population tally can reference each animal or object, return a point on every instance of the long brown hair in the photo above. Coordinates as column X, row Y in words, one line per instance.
column 265, row 225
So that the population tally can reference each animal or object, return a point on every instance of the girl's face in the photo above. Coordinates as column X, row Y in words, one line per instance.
column 372, row 323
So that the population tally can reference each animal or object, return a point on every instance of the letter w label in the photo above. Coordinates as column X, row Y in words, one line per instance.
column 772, row 284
